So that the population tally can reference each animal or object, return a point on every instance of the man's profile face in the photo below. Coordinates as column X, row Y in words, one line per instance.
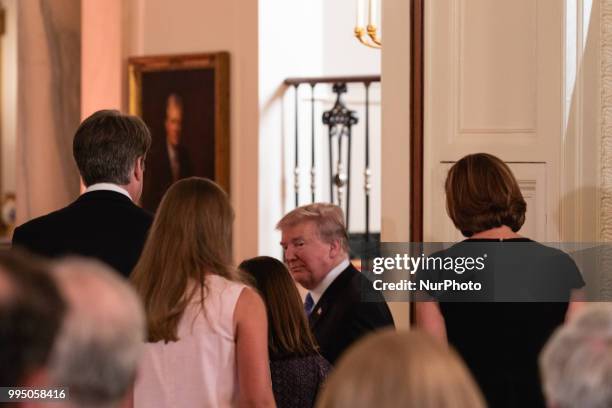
column 308, row 258
column 174, row 123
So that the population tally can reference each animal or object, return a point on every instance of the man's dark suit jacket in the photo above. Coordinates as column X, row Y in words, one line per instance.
column 340, row 317
column 158, row 173
column 101, row 224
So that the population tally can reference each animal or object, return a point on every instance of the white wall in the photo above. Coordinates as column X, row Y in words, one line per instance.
column 342, row 53
column 290, row 42
column 102, row 56
column 318, row 41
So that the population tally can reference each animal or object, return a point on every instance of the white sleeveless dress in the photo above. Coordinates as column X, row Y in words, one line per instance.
column 199, row 370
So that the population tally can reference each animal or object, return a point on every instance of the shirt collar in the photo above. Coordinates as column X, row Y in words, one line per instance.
column 171, row 149
column 317, row 292
column 108, row 187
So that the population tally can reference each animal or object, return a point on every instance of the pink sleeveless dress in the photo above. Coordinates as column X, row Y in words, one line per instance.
column 199, row 370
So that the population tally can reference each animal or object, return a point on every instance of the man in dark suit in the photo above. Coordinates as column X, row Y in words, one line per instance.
column 104, row 223
column 315, row 245
column 169, row 159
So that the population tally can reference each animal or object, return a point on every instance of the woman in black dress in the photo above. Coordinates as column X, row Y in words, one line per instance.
column 297, row 368
column 500, row 331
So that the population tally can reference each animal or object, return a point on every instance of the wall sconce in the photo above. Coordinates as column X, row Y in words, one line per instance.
column 367, row 34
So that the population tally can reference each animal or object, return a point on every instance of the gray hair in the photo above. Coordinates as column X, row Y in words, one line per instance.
column 98, row 348
column 328, row 218
column 107, row 144
column 576, row 363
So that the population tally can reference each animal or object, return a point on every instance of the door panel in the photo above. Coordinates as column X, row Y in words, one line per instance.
column 494, row 83
column 531, row 178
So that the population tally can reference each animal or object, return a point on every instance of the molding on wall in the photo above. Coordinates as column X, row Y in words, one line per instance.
column 605, row 187
column 606, row 122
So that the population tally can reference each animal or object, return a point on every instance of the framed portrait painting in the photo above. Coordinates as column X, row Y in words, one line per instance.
column 184, row 100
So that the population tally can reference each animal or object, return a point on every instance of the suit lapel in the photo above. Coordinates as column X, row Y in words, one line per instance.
column 324, row 304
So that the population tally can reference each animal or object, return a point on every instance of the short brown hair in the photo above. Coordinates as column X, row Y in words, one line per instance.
column 328, row 218
column 288, row 327
column 400, row 369
column 107, row 144
column 482, row 193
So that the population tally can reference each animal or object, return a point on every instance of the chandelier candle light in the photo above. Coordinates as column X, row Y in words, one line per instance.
column 371, row 40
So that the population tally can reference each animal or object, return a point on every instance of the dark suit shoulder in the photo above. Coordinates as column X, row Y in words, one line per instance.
column 351, row 294
column 24, row 231
column 353, row 286
column 98, row 203
column 371, row 305
column 108, row 203
column 346, row 312
column 102, row 224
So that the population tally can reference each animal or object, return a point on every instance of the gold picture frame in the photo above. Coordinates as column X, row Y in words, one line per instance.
column 184, row 99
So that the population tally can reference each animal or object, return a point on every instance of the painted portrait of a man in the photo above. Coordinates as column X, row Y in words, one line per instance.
column 169, row 159
column 184, row 100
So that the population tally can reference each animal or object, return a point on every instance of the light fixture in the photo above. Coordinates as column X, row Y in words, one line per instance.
column 367, row 34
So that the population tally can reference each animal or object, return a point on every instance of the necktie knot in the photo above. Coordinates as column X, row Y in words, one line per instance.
column 308, row 304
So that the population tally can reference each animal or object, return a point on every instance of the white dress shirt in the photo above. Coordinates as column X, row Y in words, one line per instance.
column 175, row 166
column 108, row 187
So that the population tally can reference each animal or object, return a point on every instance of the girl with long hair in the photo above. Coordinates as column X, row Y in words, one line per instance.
column 298, row 370
column 207, row 342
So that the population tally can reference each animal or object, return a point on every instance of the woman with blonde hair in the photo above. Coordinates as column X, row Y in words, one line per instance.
column 207, row 343
column 298, row 370
column 389, row 369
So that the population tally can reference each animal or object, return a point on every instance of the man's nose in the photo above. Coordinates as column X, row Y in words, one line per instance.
column 289, row 254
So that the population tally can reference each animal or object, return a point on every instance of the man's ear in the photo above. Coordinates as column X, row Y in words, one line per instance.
column 139, row 167
column 335, row 248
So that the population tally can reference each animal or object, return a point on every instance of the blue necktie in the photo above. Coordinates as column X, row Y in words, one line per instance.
column 308, row 304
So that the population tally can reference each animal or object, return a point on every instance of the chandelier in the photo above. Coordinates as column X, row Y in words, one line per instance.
column 367, row 34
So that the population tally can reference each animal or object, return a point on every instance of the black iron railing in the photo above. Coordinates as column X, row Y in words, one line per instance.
column 339, row 121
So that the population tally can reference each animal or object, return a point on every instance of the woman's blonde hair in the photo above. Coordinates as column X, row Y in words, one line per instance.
column 400, row 369
column 190, row 237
